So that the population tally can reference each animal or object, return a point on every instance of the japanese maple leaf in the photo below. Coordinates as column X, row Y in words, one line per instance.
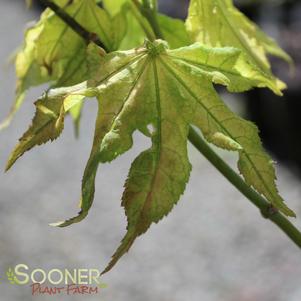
column 160, row 92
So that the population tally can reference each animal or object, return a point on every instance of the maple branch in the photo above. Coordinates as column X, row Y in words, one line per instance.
column 72, row 23
column 266, row 209
column 151, row 15
column 136, row 10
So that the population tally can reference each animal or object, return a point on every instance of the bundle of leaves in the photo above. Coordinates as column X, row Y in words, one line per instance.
column 156, row 75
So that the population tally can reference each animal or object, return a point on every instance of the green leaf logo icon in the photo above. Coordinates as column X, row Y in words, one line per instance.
column 11, row 277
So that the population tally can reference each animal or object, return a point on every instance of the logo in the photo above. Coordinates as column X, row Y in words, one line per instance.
column 11, row 276
column 56, row 281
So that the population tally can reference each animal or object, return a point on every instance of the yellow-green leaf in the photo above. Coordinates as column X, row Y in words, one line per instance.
column 218, row 23
column 162, row 92
column 48, row 122
column 53, row 52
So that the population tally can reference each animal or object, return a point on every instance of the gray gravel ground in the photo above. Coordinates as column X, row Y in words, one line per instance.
column 214, row 245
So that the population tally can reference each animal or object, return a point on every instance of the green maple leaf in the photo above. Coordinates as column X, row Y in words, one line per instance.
column 53, row 52
column 160, row 92
column 218, row 23
column 114, row 7
column 174, row 30
column 48, row 122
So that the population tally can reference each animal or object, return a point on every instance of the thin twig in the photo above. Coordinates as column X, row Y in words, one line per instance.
column 151, row 16
column 72, row 23
column 136, row 10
